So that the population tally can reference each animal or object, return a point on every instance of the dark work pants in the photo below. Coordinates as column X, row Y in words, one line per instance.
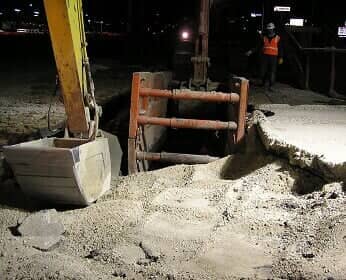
column 268, row 68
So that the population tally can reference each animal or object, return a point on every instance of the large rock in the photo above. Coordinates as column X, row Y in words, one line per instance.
column 42, row 229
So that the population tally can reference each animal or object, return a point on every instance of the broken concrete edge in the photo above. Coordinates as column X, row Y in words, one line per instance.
column 298, row 157
column 314, row 107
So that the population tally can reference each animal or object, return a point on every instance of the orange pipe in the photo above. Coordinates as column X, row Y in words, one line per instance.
column 191, row 95
column 176, row 158
column 188, row 123
column 136, row 80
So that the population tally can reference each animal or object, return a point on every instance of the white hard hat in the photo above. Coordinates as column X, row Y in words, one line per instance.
column 270, row 25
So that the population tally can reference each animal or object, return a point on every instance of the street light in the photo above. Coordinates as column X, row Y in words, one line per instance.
column 101, row 23
column 17, row 10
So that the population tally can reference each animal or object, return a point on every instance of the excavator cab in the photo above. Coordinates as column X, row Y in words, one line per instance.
column 78, row 168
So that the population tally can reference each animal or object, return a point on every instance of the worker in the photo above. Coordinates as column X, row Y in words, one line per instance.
column 271, row 55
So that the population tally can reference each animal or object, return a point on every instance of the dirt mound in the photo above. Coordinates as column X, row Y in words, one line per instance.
column 252, row 216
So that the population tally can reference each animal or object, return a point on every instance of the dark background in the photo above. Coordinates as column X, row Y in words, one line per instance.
column 145, row 32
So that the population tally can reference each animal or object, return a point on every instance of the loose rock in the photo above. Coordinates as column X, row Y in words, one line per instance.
column 42, row 230
column 42, row 223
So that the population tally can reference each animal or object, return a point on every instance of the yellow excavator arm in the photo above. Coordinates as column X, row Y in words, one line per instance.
column 76, row 169
column 66, row 28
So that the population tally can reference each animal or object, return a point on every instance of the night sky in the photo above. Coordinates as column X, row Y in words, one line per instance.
column 116, row 12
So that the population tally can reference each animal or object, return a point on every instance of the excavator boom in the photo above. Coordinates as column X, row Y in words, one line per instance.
column 67, row 35
column 76, row 169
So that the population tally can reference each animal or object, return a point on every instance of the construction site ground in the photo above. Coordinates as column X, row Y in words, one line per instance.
column 277, row 211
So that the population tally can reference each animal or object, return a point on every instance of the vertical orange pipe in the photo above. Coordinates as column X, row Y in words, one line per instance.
column 132, row 160
column 244, row 91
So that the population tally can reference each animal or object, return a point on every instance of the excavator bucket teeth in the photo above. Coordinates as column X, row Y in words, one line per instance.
column 64, row 171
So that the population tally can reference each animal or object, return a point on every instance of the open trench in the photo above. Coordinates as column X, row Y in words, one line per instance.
column 186, row 141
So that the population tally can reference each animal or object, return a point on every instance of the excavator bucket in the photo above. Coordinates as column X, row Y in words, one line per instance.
column 69, row 170
column 115, row 152
column 65, row 171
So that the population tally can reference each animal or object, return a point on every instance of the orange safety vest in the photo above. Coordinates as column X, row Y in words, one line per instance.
column 271, row 47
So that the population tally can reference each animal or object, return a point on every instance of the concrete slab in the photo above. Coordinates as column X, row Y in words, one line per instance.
column 311, row 136
column 285, row 94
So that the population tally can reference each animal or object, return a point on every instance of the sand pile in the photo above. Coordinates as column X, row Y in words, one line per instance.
column 242, row 217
